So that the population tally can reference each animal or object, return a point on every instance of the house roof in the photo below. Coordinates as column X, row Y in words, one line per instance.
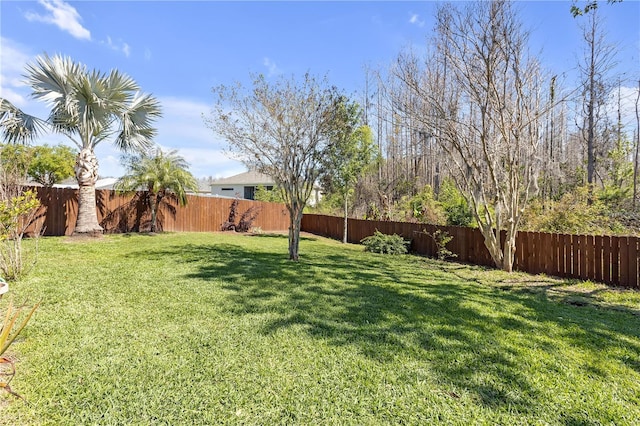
column 103, row 183
column 246, row 178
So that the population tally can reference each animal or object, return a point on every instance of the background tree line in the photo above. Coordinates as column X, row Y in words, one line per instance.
column 437, row 118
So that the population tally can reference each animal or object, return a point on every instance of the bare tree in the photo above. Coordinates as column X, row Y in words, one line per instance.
column 637, row 152
column 279, row 129
column 480, row 94
column 597, row 63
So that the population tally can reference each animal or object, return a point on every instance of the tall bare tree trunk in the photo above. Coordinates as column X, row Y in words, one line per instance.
column 346, row 216
column 635, row 159
column 87, row 174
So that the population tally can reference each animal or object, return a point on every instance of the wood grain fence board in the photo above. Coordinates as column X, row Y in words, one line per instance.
column 540, row 255
column 607, row 267
column 573, row 247
column 531, row 247
column 556, row 254
column 547, row 250
column 582, row 249
column 624, row 260
column 590, row 256
column 633, row 263
column 615, row 260
column 598, row 261
column 538, row 259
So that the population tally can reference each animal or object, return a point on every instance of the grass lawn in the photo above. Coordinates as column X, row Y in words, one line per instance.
column 221, row 329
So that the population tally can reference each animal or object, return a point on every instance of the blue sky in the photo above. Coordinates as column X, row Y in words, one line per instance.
column 179, row 50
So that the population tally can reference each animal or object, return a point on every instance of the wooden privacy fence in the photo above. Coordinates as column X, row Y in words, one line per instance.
column 128, row 213
column 607, row 259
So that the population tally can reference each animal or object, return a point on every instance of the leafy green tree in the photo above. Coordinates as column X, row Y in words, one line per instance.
column 348, row 154
column 44, row 164
column 88, row 107
column 163, row 175
column 51, row 165
column 14, row 161
column 273, row 195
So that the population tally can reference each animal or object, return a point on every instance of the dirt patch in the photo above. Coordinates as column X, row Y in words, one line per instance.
column 83, row 238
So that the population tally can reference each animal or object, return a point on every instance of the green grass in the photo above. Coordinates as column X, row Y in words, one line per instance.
column 222, row 329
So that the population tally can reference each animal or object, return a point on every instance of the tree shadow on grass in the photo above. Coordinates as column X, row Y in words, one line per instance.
column 457, row 328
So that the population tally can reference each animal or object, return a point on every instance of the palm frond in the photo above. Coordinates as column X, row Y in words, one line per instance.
column 52, row 78
column 136, row 131
column 17, row 126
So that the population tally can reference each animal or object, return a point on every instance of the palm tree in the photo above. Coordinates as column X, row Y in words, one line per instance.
column 162, row 175
column 88, row 107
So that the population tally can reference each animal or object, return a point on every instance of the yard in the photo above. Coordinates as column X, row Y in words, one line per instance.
column 202, row 328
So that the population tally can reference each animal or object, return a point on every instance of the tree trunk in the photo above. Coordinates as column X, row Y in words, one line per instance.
column 153, row 204
column 509, row 250
column 295, row 216
column 346, row 220
column 635, row 159
column 87, row 174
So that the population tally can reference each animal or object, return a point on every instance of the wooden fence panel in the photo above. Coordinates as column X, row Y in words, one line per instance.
column 127, row 213
column 609, row 259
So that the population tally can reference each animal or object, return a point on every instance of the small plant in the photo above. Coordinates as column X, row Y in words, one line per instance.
column 442, row 238
column 246, row 220
column 386, row 244
column 8, row 333
column 16, row 214
column 230, row 224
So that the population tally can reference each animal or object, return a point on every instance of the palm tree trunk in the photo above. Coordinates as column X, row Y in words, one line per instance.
column 87, row 174
column 154, row 200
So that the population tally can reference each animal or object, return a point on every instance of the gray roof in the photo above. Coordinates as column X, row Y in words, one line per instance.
column 246, row 178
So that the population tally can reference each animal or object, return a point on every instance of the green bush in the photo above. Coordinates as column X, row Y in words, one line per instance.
column 385, row 244
column 454, row 205
column 422, row 207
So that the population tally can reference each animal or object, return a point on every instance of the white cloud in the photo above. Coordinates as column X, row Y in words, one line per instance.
column 119, row 46
column 14, row 58
column 62, row 15
column 415, row 20
column 272, row 67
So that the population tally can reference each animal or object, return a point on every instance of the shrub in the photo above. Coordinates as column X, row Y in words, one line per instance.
column 386, row 244
column 442, row 238
column 454, row 205
column 422, row 207
column 16, row 213
column 246, row 220
column 10, row 328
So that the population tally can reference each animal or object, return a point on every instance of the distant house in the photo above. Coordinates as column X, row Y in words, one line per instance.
column 244, row 186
